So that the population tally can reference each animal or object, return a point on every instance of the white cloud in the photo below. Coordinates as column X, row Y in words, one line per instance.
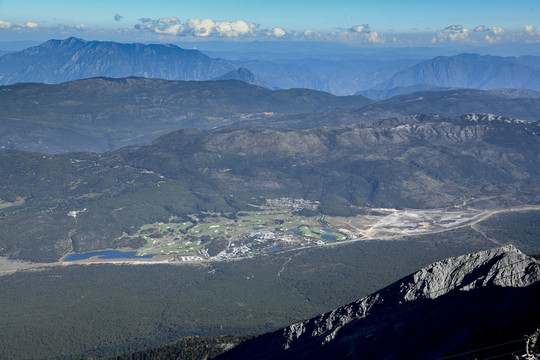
column 360, row 28
column 481, row 28
column 201, row 27
column 76, row 26
column 452, row 33
column 168, row 20
column 19, row 26
column 454, row 28
column 27, row 25
column 176, row 29
column 495, row 30
column 358, row 33
column 197, row 27
column 494, row 35
column 362, row 32
column 375, row 38
column 275, row 32
column 529, row 29
column 5, row 24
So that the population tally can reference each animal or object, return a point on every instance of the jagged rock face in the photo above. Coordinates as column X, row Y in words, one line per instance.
column 505, row 267
column 452, row 306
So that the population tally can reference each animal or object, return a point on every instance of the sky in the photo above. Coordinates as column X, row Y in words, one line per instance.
column 377, row 23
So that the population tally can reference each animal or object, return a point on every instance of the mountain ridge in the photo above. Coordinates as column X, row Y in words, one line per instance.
column 57, row 61
column 102, row 114
column 351, row 331
column 468, row 70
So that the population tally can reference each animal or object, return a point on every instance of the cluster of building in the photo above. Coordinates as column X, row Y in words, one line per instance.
column 292, row 204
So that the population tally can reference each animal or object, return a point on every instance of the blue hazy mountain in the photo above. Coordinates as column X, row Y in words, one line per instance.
column 471, row 71
column 57, row 61
column 244, row 75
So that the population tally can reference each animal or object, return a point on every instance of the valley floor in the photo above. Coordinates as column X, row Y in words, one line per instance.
column 273, row 230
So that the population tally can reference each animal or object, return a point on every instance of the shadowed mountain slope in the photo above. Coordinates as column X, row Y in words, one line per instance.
column 103, row 114
column 456, row 103
column 461, row 305
column 512, row 103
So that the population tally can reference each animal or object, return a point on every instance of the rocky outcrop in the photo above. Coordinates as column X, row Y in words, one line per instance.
column 453, row 306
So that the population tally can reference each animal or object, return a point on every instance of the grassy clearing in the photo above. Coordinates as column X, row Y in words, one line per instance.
column 149, row 242
column 148, row 226
column 6, row 204
column 183, row 227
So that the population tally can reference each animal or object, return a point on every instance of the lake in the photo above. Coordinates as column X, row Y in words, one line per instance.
column 107, row 254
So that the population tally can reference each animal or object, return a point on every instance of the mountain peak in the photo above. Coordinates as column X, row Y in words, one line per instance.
column 245, row 75
column 505, row 267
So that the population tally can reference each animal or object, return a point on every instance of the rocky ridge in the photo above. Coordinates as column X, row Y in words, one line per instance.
column 395, row 314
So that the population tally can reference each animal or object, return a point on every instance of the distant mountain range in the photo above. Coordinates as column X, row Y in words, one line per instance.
column 57, row 61
column 375, row 76
column 480, row 305
column 470, row 71
column 337, row 76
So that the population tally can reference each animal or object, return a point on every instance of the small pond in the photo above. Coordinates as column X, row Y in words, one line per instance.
column 275, row 248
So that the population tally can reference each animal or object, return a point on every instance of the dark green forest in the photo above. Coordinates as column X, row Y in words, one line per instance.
column 103, row 310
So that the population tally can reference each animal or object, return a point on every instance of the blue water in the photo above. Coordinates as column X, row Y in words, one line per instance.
column 328, row 230
column 329, row 237
column 275, row 248
column 258, row 228
column 107, row 254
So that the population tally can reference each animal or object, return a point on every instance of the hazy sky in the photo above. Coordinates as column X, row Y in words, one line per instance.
column 356, row 21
